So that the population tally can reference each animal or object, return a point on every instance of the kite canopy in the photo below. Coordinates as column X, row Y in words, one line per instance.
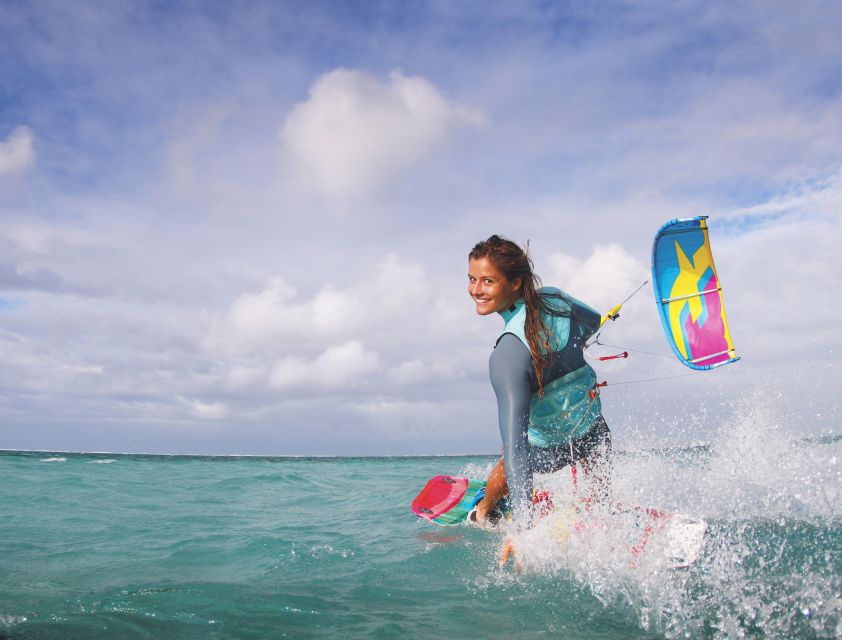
column 689, row 295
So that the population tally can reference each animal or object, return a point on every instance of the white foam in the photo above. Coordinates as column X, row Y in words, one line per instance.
column 759, row 487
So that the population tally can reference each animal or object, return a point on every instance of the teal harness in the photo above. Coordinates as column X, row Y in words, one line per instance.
column 569, row 406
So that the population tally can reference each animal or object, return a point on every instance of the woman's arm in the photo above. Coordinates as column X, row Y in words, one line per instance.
column 511, row 371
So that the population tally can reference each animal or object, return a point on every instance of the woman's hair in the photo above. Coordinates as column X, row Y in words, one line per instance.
column 513, row 262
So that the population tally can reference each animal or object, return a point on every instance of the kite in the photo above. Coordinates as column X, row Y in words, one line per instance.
column 689, row 295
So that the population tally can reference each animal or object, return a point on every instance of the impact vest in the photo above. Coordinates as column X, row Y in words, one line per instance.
column 569, row 406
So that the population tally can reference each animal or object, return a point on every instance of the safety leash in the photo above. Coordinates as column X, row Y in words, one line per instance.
column 593, row 393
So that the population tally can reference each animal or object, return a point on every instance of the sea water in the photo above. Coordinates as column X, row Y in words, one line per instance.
column 136, row 546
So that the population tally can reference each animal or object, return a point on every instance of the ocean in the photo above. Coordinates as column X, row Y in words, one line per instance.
column 146, row 546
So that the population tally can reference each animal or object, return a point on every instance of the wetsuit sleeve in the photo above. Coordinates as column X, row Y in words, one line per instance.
column 511, row 369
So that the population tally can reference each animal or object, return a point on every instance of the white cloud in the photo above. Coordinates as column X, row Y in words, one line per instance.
column 339, row 367
column 782, row 259
column 166, row 256
column 334, row 310
column 819, row 196
column 399, row 287
column 257, row 315
column 30, row 237
column 257, row 320
column 241, row 377
column 205, row 410
column 603, row 279
column 354, row 132
column 17, row 152
column 422, row 370
column 267, row 320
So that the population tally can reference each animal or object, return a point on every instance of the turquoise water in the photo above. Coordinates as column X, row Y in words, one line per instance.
column 130, row 546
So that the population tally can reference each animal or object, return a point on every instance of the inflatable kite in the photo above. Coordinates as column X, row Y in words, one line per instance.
column 689, row 295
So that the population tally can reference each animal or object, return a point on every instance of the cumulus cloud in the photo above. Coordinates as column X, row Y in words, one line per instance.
column 275, row 339
column 205, row 410
column 422, row 370
column 399, row 288
column 258, row 319
column 333, row 310
column 257, row 314
column 17, row 152
column 344, row 366
column 274, row 317
column 603, row 279
column 355, row 132
column 147, row 276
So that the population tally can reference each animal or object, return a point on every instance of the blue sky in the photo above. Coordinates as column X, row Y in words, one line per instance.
column 242, row 227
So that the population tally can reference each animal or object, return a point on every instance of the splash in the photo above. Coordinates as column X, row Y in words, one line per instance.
column 772, row 559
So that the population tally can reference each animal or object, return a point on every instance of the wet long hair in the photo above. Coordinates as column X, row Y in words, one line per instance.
column 514, row 262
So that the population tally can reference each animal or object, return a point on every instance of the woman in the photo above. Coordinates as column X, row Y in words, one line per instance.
column 547, row 401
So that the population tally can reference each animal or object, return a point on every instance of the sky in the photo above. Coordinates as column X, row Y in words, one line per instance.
column 243, row 227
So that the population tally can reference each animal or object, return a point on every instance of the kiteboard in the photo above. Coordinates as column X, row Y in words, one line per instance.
column 448, row 500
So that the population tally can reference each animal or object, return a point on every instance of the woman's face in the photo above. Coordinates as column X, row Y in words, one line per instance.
column 491, row 290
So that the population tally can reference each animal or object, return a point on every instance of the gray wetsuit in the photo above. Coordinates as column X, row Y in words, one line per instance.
column 546, row 433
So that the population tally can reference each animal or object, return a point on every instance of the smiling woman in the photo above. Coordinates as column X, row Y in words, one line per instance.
column 548, row 406
column 490, row 288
